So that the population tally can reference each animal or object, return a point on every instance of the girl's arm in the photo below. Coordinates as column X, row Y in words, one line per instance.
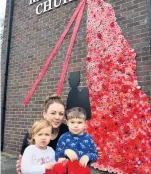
column 27, row 166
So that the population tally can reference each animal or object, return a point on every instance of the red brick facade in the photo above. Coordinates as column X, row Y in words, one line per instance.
column 34, row 36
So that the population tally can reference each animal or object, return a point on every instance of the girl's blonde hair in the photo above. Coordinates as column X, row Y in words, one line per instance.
column 36, row 127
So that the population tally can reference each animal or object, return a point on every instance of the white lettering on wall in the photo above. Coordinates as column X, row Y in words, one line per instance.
column 47, row 5
column 39, row 9
column 55, row 3
column 33, row 1
column 65, row 1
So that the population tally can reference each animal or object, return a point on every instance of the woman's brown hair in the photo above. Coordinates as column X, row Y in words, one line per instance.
column 50, row 99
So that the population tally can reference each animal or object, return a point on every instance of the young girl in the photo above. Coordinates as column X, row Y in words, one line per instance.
column 38, row 157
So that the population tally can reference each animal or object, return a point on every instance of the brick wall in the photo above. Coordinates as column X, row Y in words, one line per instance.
column 33, row 37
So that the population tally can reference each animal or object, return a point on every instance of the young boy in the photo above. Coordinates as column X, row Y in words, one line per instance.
column 76, row 145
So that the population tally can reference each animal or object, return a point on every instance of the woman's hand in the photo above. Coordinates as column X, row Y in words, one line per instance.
column 71, row 154
column 84, row 160
column 18, row 165
column 49, row 165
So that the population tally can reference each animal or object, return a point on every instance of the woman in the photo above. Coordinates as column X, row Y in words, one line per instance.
column 54, row 111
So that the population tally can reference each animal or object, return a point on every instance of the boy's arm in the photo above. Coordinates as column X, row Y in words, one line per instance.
column 93, row 153
column 61, row 147
column 27, row 166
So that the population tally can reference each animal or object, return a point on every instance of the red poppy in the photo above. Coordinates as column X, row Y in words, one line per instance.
column 112, row 24
column 88, row 59
column 99, row 35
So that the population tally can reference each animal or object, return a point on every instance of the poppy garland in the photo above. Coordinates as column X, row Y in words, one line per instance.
column 121, row 113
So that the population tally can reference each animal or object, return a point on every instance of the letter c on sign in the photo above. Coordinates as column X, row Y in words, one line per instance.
column 38, row 11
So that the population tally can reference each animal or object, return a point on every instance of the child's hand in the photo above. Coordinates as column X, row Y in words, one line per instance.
column 18, row 165
column 71, row 154
column 49, row 165
column 61, row 160
column 84, row 160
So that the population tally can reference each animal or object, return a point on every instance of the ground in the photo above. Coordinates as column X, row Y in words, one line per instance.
column 8, row 163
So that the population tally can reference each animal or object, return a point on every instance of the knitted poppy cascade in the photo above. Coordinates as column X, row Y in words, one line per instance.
column 121, row 116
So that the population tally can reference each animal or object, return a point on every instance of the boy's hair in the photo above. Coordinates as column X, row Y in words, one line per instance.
column 36, row 127
column 76, row 112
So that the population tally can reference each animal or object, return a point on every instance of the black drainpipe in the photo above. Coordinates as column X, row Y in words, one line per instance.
column 7, row 54
column 149, row 16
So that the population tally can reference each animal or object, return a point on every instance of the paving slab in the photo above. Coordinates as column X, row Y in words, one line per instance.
column 8, row 163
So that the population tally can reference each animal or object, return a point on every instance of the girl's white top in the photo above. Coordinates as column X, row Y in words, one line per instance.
column 34, row 159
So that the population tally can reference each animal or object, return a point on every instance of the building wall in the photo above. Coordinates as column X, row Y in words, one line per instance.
column 34, row 36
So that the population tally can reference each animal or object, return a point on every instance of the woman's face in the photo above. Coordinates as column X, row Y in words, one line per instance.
column 55, row 114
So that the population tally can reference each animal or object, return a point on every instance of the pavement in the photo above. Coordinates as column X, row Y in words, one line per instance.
column 8, row 165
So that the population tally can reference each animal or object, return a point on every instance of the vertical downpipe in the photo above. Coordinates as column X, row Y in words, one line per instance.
column 10, row 5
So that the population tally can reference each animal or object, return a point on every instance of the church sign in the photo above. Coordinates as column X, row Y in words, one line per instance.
column 48, row 5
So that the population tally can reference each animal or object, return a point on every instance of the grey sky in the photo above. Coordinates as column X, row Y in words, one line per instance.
column 2, row 15
column 2, row 8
